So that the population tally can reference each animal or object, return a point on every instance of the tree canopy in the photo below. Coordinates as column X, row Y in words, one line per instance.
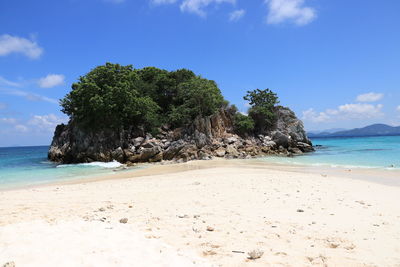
column 115, row 96
column 262, row 104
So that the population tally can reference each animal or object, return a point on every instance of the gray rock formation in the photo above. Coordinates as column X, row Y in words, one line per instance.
column 207, row 137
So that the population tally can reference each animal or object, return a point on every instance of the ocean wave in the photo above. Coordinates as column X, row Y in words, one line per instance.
column 106, row 165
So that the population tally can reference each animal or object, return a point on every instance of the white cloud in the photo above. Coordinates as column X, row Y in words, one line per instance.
column 46, row 122
column 398, row 108
column 360, row 111
column 289, row 10
column 369, row 97
column 344, row 112
column 313, row 116
column 39, row 125
column 198, row 6
column 14, row 44
column 8, row 120
column 237, row 14
column 3, row 106
column 21, row 128
column 6, row 82
column 51, row 80
column 29, row 96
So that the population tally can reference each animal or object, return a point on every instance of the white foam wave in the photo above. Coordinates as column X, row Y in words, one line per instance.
column 106, row 165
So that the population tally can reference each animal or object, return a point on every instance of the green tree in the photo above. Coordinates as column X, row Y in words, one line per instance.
column 108, row 97
column 262, row 108
column 243, row 124
column 115, row 96
column 162, row 86
column 156, row 84
column 196, row 97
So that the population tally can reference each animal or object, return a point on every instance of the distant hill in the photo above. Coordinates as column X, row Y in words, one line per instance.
column 372, row 130
column 327, row 131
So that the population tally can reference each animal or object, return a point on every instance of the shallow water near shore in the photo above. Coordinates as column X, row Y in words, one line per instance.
column 381, row 152
column 28, row 166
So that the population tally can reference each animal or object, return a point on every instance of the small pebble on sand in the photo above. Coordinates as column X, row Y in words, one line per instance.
column 255, row 254
column 123, row 220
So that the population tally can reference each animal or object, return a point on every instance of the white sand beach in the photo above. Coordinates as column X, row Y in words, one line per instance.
column 204, row 214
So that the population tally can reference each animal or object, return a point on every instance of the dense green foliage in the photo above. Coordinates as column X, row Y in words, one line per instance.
column 262, row 104
column 112, row 96
column 243, row 124
column 196, row 97
column 115, row 96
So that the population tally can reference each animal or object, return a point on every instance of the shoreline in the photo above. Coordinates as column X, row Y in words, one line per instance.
column 374, row 175
column 201, row 212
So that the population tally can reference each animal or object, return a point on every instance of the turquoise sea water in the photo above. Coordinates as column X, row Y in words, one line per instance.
column 365, row 152
column 22, row 166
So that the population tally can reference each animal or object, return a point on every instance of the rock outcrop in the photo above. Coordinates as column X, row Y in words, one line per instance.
column 207, row 137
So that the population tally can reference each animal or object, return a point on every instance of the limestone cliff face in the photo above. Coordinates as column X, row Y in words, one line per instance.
column 207, row 137
column 288, row 130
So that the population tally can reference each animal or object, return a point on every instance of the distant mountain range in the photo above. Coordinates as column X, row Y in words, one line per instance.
column 333, row 130
column 372, row 130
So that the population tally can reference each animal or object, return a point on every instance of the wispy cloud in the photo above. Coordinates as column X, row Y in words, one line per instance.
column 198, row 6
column 38, row 124
column 3, row 106
column 237, row 15
column 280, row 11
column 5, row 82
column 8, row 120
column 314, row 116
column 29, row 96
column 359, row 111
column 369, row 97
column 398, row 108
column 344, row 112
column 21, row 128
column 13, row 44
column 51, row 80
column 46, row 122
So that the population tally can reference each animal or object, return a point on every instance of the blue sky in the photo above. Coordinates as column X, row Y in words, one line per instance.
column 336, row 63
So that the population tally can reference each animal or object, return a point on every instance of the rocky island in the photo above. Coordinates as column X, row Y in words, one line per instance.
column 150, row 115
